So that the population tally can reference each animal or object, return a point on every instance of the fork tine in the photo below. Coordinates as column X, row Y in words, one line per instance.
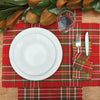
column 77, row 37
column 78, row 41
column 80, row 37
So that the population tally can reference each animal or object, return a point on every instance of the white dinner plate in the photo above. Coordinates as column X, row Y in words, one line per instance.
column 35, row 54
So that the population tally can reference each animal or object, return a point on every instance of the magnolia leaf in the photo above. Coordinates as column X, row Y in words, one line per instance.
column 24, row 14
column 40, row 7
column 11, row 9
column 2, row 31
column 97, row 9
column 5, row 15
column 96, row 5
column 57, row 11
column 15, row 2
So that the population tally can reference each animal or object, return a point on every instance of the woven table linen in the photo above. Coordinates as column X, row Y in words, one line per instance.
column 63, row 76
column 82, row 65
column 50, row 93
column 59, row 86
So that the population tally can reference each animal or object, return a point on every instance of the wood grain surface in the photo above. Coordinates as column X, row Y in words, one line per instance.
column 89, row 93
column 6, row 93
column 91, row 17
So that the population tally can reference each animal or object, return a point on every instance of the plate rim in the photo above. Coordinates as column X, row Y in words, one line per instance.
column 55, row 66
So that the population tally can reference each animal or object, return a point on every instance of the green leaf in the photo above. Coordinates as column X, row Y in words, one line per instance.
column 44, row 4
column 11, row 9
column 5, row 15
column 40, row 7
column 14, row 2
column 56, row 11
column 53, row 1
column 1, row 31
column 96, row 5
column 3, row 3
column 97, row 9
column 24, row 14
column 4, row 7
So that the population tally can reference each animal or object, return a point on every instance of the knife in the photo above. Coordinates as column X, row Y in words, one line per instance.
column 87, row 43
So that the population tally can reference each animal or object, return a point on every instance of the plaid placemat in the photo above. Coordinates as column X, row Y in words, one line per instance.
column 50, row 93
column 82, row 66
column 62, row 77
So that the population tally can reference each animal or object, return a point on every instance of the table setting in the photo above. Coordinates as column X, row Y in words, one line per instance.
column 48, row 52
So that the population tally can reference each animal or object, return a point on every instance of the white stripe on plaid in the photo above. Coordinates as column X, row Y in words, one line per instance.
column 65, row 36
column 50, row 93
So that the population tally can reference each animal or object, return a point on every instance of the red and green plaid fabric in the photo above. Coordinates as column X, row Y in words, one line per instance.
column 50, row 94
column 82, row 65
column 62, row 76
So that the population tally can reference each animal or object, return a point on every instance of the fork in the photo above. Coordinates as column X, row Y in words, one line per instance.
column 78, row 41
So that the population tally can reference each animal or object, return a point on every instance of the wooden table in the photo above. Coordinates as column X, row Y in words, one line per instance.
column 89, row 93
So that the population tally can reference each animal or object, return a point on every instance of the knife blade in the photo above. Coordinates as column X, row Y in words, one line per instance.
column 87, row 43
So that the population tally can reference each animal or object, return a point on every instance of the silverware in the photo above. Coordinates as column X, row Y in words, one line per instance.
column 78, row 41
column 87, row 43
